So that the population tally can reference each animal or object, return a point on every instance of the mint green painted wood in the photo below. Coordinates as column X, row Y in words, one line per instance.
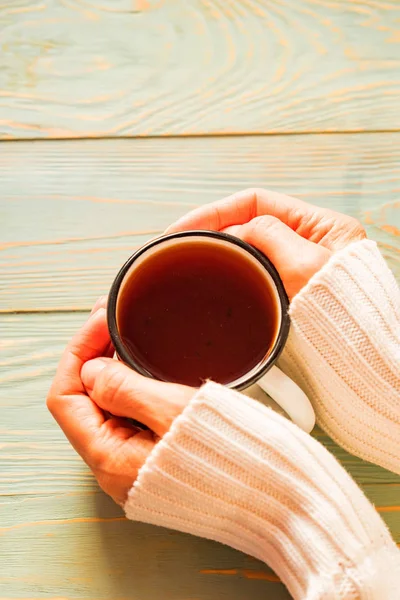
column 61, row 537
column 101, row 557
column 72, row 212
column 73, row 68
column 31, row 346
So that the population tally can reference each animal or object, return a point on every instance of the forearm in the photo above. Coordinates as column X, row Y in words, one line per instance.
column 344, row 351
column 233, row 471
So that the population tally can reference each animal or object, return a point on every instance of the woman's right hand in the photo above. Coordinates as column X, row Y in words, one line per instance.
column 299, row 238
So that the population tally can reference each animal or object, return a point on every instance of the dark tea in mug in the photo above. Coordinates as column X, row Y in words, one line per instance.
column 197, row 308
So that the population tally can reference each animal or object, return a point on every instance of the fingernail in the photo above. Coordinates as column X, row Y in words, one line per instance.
column 100, row 303
column 91, row 370
column 174, row 227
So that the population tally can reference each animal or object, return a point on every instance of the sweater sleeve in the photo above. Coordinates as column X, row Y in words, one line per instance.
column 236, row 472
column 344, row 351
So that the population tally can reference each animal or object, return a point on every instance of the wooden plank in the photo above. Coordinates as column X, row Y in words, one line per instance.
column 50, row 505
column 31, row 346
column 96, row 554
column 72, row 212
column 30, row 349
column 74, row 68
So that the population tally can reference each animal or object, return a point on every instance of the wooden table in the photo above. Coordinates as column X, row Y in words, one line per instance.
column 116, row 117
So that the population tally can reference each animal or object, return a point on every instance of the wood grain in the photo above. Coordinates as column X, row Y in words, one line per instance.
column 74, row 68
column 30, row 347
column 101, row 556
column 60, row 534
column 72, row 212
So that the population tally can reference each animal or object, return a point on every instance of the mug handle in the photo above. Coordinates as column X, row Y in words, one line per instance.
column 289, row 396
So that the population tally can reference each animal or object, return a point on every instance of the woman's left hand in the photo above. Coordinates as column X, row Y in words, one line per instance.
column 88, row 385
column 297, row 237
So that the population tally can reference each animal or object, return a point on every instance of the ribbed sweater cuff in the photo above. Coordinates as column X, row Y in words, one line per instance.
column 234, row 471
column 344, row 351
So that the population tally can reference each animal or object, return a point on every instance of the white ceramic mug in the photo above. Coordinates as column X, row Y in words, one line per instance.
column 266, row 374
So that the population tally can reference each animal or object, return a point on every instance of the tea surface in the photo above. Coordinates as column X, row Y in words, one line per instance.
column 197, row 310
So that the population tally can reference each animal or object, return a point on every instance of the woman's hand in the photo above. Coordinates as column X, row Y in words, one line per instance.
column 299, row 238
column 89, row 384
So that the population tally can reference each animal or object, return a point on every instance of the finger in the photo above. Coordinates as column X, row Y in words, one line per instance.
column 77, row 415
column 121, row 455
column 320, row 225
column 116, row 388
column 295, row 258
column 100, row 303
column 92, row 340
column 241, row 207
column 233, row 230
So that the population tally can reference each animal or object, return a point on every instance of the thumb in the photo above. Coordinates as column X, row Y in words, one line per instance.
column 119, row 390
column 295, row 258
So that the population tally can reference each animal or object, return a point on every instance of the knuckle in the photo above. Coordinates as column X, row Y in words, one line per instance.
column 254, row 194
column 263, row 223
column 216, row 216
column 100, row 461
column 51, row 402
column 267, row 220
column 356, row 228
column 254, row 191
column 110, row 384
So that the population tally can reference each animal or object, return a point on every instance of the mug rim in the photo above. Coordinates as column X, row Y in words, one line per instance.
column 282, row 334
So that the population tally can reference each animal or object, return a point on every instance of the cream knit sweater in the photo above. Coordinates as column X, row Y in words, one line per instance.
column 234, row 471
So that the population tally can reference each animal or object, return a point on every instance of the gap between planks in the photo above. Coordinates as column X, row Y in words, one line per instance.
column 228, row 134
